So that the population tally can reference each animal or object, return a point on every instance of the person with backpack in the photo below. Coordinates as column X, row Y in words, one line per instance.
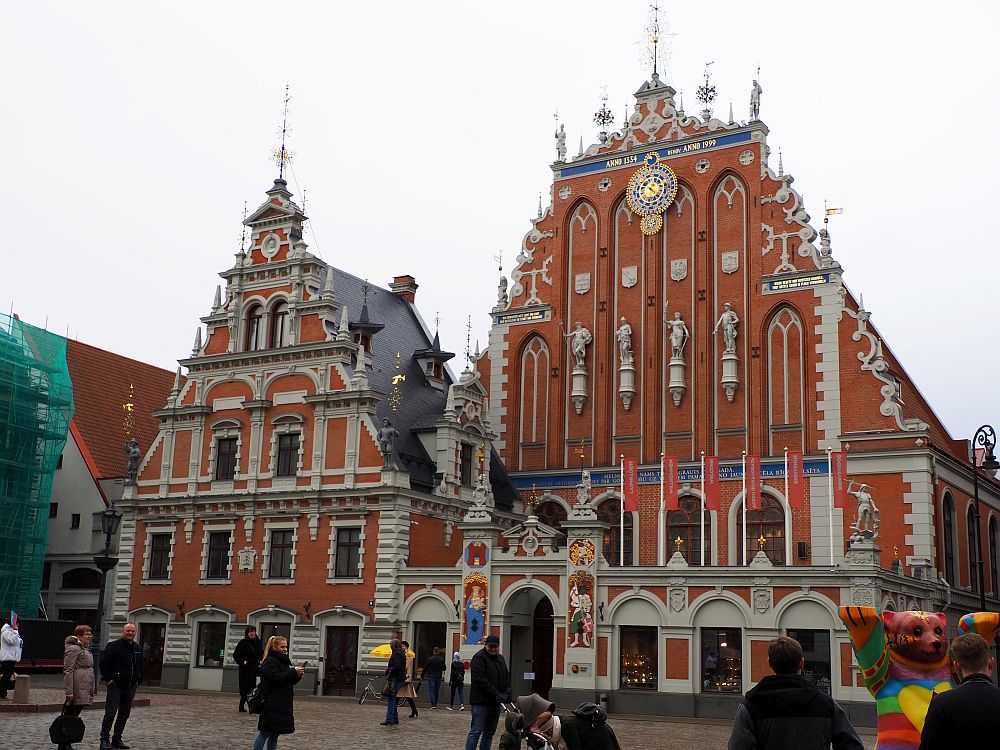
column 277, row 681
column 457, row 682
column 587, row 729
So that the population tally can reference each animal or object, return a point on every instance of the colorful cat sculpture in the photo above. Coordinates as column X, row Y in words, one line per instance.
column 904, row 659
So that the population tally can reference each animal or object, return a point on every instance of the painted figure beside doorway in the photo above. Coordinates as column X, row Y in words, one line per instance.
column 476, row 590
column 581, row 622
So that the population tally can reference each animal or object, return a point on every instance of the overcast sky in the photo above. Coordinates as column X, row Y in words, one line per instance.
column 132, row 133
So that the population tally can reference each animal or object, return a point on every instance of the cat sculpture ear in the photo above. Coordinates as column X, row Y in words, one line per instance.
column 887, row 618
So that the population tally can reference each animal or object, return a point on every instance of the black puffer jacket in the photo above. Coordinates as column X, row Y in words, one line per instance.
column 587, row 729
column 789, row 712
column 121, row 661
column 278, row 678
column 247, row 654
column 490, row 680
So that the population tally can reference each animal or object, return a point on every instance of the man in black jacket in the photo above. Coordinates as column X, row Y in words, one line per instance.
column 490, row 688
column 121, row 671
column 433, row 672
column 248, row 654
column 787, row 712
column 969, row 715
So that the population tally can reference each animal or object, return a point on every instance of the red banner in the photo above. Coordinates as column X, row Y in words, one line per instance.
column 712, row 491
column 670, row 499
column 630, row 473
column 752, row 481
column 796, row 480
column 838, row 470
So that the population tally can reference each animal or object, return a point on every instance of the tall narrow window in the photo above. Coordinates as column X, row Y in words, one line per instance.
column 785, row 380
column 288, row 455
column 159, row 557
column 254, row 339
column 685, row 524
column 721, row 660
column 218, row 555
column 994, row 556
column 610, row 512
column 280, row 563
column 972, row 529
column 638, row 655
column 769, row 523
column 948, row 534
column 465, row 464
column 279, row 325
column 348, row 553
column 225, row 459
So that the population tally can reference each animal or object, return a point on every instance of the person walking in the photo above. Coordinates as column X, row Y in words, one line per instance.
column 407, row 691
column 788, row 712
column 121, row 671
column 457, row 682
column 395, row 673
column 970, row 714
column 434, row 673
column 79, row 680
column 248, row 654
column 490, row 688
column 278, row 679
column 10, row 654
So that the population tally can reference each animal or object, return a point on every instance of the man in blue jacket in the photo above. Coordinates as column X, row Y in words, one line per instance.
column 121, row 672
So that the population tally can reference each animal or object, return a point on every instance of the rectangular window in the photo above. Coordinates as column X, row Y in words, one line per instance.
column 816, row 652
column 218, row 555
column 348, row 553
column 721, row 660
column 288, row 455
column 211, row 645
column 159, row 556
column 225, row 459
column 638, row 658
column 466, row 465
column 74, row 521
column 280, row 564
column 53, row 509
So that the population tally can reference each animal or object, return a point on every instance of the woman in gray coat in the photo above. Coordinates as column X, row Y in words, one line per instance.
column 78, row 673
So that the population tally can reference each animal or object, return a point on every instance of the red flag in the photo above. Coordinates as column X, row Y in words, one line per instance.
column 630, row 473
column 712, row 491
column 670, row 498
column 838, row 470
column 796, row 480
column 752, row 480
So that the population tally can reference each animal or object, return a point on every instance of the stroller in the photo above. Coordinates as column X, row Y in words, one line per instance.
column 516, row 729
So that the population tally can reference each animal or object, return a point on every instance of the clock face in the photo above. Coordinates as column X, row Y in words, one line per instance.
column 652, row 189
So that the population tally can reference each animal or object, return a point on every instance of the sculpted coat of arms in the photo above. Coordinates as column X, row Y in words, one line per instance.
column 630, row 276
column 679, row 269
column 731, row 261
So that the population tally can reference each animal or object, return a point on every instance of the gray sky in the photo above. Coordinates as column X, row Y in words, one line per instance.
column 423, row 133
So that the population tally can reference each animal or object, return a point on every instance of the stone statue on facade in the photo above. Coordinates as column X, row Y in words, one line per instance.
column 728, row 321
column 755, row 92
column 624, row 337
column 580, row 339
column 502, row 293
column 386, row 435
column 134, row 457
column 583, row 499
column 865, row 526
column 561, row 143
column 482, row 493
column 679, row 335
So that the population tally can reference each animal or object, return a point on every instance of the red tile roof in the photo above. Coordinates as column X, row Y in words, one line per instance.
column 100, row 388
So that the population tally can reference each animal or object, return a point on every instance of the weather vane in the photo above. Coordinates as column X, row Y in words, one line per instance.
column 243, row 234
column 396, row 394
column 282, row 155
column 468, row 342
column 706, row 94
column 655, row 34
column 129, row 408
column 603, row 117
column 828, row 212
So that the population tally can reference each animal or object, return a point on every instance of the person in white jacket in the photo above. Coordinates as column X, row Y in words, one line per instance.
column 10, row 654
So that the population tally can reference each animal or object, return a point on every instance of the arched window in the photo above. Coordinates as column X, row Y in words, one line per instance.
column 994, row 556
column 81, row 578
column 685, row 524
column 535, row 391
column 972, row 529
column 279, row 325
column 768, row 522
column 551, row 514
column 254, row 338
column 610, row 512
column 948, row 534
column 785, row 380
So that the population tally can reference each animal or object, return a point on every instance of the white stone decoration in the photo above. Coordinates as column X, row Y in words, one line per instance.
column 728, row 322
column 626, row 369
column 247, row 559
column 630, row 276
column 866, row 520
column 561, row 143
column 702, row 165
column 565, row 192
column 679, row 269
column 581, row 284
column 580, row 339
column 604, row 185
column 679, row 336
column 584, row 506
column 731, row 261
column 746, row 157
column 270, row 245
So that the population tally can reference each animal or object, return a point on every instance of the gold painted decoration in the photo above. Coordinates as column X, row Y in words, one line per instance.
column 650, row 192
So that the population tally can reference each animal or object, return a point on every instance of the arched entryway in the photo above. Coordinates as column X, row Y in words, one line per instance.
column 531, row 651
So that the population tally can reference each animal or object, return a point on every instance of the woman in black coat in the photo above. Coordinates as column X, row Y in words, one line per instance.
column 248, row 654
column 395, row 674
column 277, row 678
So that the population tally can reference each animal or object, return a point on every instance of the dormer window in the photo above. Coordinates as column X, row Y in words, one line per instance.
column 254, row 339
column 279, row 325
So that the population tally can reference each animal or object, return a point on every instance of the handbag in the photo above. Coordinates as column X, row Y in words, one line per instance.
column 66, row 729
column 256, row 700
column 389, row 688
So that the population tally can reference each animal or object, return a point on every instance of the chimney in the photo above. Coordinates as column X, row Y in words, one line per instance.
column 405, row 286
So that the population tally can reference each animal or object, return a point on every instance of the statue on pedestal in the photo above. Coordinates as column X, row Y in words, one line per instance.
column 728, row 321
column 865, row 526
column 386, row 435
column 561, row 143
column 581, row 337
column 134, row 457
column 624, row 337
column 755, row 92
column 679, row 335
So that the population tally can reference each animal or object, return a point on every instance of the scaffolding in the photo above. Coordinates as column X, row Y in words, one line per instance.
column 36, row 405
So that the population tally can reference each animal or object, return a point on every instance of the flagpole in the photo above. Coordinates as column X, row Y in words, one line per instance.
column 744, row 507
column 621, row 516
column 829, row 466
column 703, row 507
column 663, row 517
column 788, row 539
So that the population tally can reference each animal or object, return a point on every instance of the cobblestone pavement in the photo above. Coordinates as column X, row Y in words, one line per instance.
column 207, row 721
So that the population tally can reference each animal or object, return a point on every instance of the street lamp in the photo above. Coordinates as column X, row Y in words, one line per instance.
column 986, row 437
column 111, row 519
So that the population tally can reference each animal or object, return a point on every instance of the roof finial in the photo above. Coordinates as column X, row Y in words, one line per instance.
column 706, row 94
column 603, row 117
column 781, row 164
column 243, row 234
column 539, row 205
column 364, row 290
column 654, row 32
column 437, row 323
column 281, row 155
column 468, row 341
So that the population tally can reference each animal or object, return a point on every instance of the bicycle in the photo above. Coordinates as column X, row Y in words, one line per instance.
column 369, row 690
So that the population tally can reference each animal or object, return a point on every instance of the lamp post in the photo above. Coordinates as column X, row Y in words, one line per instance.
column 986, row 437
column 111, row 518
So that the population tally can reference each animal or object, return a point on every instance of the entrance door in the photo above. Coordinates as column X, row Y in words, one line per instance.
column 151, row 638
column 543, row 639
column 340, row 667
column 427, row 635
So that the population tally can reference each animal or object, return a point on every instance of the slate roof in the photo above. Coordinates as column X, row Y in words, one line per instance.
column 100, row 387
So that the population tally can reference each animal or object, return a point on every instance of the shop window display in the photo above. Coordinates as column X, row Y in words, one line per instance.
column 211, row 644
column 638, row 658
column 816, row 652
column 721, row 660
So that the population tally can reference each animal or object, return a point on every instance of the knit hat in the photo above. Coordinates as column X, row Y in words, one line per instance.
column 532, row 706
column 492, row 640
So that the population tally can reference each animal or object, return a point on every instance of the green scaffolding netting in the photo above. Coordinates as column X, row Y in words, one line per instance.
column 36, row 405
